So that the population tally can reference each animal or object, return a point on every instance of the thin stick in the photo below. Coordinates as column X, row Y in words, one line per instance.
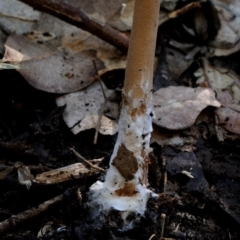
column 153, row 236
column 15, row 220
column 80, row 19
column 99, row 80
column 164, row 173
column 103, row 106
column 163, row 217
column 86, row 161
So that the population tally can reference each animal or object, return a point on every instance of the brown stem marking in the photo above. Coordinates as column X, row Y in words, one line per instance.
column 80, row 19
column 137, row 91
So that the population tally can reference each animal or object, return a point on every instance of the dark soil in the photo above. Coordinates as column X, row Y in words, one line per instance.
column 33, row 133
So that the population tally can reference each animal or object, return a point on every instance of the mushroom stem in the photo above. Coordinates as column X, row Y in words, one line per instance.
column 125, row 186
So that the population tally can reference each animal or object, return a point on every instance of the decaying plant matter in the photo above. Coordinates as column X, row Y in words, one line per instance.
column 125, row 186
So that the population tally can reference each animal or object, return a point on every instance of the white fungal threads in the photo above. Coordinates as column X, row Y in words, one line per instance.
column 135, row 136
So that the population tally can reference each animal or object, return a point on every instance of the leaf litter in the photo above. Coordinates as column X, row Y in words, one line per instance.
column 184, row 116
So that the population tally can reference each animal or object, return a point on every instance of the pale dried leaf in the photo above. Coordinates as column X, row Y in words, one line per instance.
column 11, row 55
column 219, row 80
column 76, row 72
column 17, row 17
column 109, row 55
column 18, row 48
column 61, row 72
column 228, row 37
column 229, row 119
column 68, row 72
column 107, row 126
column 236, row 93
column 83, row 109
column 25, row 177
column 45, row 229
column 178, row 107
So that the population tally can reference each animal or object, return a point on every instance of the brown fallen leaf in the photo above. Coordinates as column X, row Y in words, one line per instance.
column 178, row 107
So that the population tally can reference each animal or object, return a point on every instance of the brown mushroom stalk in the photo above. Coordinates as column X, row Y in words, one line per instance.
column 125, row 187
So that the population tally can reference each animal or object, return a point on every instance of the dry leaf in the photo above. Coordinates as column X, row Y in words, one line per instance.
column 18, row 49
column 229, row 119
column 84, row 108
column 178, row 107
column 25, row 177
column 17, row 17
column 109, row 55
column 71, row 39
column 59, row 72
column 219, row 80
column 226, row 84
column 228, row 37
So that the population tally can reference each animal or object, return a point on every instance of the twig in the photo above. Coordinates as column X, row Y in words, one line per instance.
column 18, row 18
column 103, row 106
column 185, row 9
column 163, row 217
column 86, row 161
column 80, row 19
column 164, row 173
column 152, row 236
column 15, row 220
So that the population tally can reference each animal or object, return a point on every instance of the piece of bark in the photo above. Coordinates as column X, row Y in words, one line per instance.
column 80, row 19
column 73, row 171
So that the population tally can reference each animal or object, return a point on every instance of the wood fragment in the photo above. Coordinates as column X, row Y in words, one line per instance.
column 73, row 171
column 80, row 19
column 185, row 9
column 15, row 220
